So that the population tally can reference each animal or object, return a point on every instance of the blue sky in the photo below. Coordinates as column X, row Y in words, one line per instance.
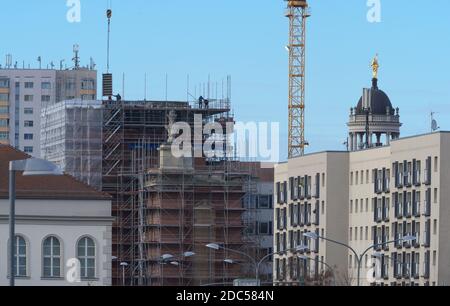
column 246, row 39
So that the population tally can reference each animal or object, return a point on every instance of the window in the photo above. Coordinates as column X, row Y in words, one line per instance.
column 436, row 164
column 351, row 206
column 265, row 228
column 367, row 177
column 4, row 83
column 356, row 206
column 28, row 136
column 28, row 111
column 351, row 233
column 435, row 227
column 323, row 179
column 4, row 110
column 351, row 178
column 435, row 195
column 356, row 177
column 20, row 257
column 367, row 204
column 46, row 85
column 28, row 123
column 4, row 97
column 29, row 85
column 45, row 98
column 28, row 98
column 4, row 123
column 28, row 150
column 4, row 135
column 88, row 84
column 323, row 207
column 86, row 256
column 51, row 257
column 71, row 85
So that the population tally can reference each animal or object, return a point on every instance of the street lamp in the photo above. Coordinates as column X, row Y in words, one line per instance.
column 320, row 261
column 123, row 265
column 30, row 167
column 359, row 258
column 255, row 263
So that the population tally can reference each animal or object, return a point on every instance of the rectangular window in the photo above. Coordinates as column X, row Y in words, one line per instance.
column 88, row 84
column 4, row 83
column 28, row 98
column 28, row 111
column 264, row 228
column 435, row 195
column 46, row 85
column 29, row 85
column 436, row 164
column 351, row 206
column 45, row 98
column 4, row 97
column 4, row 135
column 28, row 123
column 28, row 149
column 28, row 136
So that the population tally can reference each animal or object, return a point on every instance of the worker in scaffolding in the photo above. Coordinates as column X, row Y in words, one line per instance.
column 206, row 103
column 200, row 102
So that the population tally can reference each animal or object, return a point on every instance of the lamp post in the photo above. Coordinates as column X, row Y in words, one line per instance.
column 123, row 265
column 320, row 261
column 256, row 264
column 30, row 167
column 359, row 258
column 171, row 259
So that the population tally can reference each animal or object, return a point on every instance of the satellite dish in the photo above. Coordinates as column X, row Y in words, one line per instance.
column 434, row 125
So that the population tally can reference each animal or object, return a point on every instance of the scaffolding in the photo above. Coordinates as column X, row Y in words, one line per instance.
column 72, row 139
column 170, row 210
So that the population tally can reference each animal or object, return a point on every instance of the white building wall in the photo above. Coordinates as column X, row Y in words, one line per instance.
column 67, row 220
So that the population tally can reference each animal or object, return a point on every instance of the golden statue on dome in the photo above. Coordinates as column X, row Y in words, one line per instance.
column 375, row 66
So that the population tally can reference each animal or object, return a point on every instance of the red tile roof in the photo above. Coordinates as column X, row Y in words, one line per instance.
column 43, row 187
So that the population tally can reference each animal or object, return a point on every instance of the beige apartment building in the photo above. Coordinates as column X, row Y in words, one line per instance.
column 369, row 198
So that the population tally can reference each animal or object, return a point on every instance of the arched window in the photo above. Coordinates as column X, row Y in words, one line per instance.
column 51, row 257
column 20, row 257
column 86, row 256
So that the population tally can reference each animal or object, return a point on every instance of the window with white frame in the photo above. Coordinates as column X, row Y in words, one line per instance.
column 86, row 254
column 20, row 257
column 51, row 257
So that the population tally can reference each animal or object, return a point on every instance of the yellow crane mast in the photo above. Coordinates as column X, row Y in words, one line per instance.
column 297, row 12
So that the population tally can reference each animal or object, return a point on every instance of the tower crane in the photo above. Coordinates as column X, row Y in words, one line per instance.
column 297, row 11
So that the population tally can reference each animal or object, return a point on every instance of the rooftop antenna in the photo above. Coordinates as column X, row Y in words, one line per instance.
column 145, row 86
column 52, row 65
column 92, row 64
column 167, row 85
column 39, row 59
column 76, row 58
column 123, row 86
column 8, row 60
column 61, row 64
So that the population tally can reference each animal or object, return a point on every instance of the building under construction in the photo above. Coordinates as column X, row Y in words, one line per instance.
column 169, row 208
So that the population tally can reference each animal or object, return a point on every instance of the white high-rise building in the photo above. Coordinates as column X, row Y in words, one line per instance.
column 24, row 92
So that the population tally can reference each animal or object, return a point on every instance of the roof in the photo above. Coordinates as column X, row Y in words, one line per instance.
column 379, row 103
column 43, row 187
